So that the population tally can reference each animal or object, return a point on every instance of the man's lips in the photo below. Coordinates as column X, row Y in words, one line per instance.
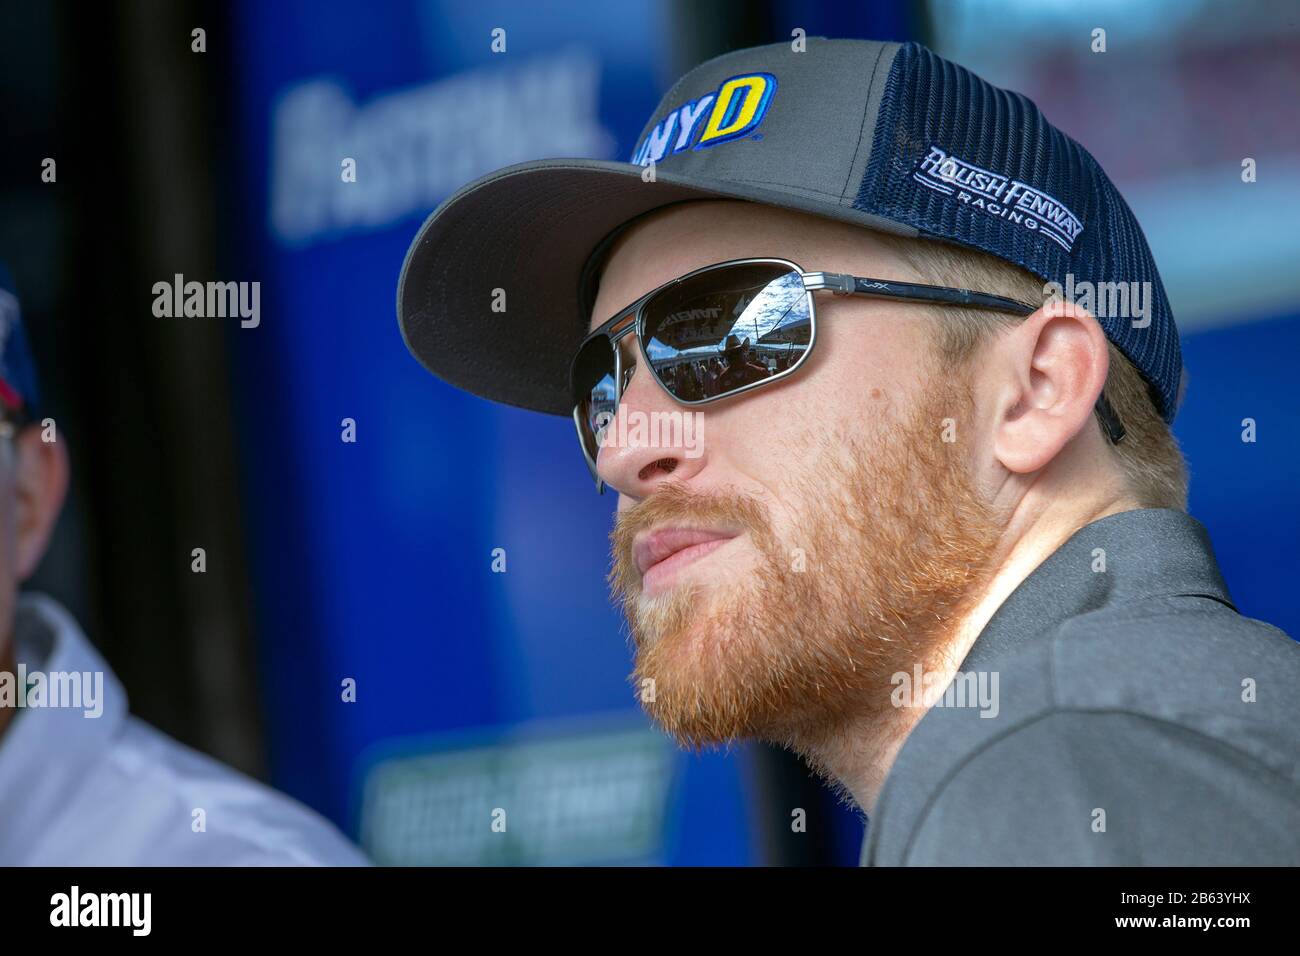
column 662, row 552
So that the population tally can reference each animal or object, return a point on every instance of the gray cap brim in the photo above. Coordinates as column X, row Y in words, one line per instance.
column 529, row 230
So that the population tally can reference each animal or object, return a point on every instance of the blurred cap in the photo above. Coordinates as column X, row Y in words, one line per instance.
column 882, row 135
column 19, row 394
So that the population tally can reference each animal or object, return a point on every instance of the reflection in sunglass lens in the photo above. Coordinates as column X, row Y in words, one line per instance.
column 726, row 329
column 592, row 381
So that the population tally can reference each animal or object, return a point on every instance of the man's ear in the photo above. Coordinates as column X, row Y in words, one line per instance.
column 1057, row 361
column 40, row 483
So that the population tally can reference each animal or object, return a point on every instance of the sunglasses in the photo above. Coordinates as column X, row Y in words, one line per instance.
column 732, row 327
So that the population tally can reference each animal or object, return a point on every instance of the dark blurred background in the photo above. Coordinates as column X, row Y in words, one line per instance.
column 372, row 560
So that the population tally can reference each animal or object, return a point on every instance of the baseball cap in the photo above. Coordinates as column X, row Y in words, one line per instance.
column 884, row 135
column 19, row 394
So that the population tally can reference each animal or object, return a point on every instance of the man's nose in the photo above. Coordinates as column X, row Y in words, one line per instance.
column 651, row 439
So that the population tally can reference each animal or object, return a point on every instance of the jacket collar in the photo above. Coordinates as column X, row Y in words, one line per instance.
column 1129, row 556
column 1149, row 553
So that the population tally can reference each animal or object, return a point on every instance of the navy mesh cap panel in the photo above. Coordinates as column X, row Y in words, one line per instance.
column 962, row 160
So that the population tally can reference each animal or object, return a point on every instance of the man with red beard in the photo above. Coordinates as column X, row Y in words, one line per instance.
column 944, row 554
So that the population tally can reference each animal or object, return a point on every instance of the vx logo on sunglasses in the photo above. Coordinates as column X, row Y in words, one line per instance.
column 630, row 428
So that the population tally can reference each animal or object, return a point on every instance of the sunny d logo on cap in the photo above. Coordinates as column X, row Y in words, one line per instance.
column 733, row 110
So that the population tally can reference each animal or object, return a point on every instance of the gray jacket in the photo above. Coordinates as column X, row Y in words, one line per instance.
column 1130, row 716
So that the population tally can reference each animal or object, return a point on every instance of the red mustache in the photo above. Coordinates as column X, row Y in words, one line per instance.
column 677, row 507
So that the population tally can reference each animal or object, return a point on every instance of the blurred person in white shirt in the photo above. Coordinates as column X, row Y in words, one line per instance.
column 82, row 782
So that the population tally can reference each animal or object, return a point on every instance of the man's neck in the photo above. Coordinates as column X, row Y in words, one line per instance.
column 861, row 752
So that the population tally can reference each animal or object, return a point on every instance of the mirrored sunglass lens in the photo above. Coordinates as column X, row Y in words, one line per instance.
column 594, row 389
column 601, row 406
column 722, row 330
